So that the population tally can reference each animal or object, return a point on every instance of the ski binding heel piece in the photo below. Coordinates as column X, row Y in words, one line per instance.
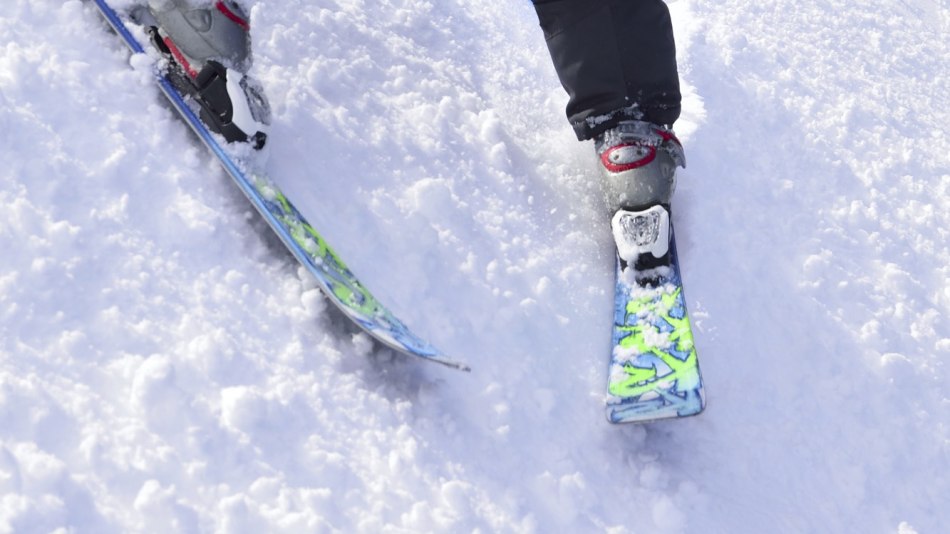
column 642, row 237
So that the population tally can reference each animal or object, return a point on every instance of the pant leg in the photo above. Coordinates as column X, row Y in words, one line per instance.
column 615, row 58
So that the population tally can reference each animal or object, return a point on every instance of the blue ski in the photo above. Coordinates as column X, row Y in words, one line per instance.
column 301, row 239
column 654, row 371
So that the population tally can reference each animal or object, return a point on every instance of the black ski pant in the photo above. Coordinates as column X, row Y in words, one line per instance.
column 615, row 58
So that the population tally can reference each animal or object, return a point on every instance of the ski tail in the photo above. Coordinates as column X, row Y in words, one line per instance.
column 654, row 368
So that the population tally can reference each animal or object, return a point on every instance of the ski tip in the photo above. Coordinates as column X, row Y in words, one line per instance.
column 462, row 367
column 448, row 362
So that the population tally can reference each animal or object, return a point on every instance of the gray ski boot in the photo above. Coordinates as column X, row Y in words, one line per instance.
column 639, row 161
column 211, row 46
column 212, row 32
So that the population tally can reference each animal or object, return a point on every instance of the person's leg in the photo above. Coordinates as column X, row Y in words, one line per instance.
column 615, row 58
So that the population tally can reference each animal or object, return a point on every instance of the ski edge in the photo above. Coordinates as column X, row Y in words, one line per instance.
column 251, row 187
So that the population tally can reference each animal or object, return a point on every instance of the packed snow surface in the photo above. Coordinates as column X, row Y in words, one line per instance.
column 165, row 366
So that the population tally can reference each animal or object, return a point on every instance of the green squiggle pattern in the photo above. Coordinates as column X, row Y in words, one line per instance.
column 340, row 285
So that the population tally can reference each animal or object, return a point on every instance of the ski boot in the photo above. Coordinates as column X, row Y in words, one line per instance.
column 210, row 49
column 639, row 161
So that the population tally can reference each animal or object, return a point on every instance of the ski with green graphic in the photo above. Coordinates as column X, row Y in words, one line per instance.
column 654, row 370
column 226, row 109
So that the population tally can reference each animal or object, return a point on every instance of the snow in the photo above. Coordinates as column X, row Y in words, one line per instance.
column 166, row 366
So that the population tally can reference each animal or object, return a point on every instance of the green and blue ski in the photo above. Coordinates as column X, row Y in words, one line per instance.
column 654, row 370
column 301, row 239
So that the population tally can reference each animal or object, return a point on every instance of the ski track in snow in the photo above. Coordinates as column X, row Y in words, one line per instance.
column 166, row 366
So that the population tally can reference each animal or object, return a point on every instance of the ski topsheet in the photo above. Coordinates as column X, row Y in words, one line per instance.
column 334, row 278
column 654, row 370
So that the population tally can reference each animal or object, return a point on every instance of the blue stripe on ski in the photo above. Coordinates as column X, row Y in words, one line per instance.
column 296, row 234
